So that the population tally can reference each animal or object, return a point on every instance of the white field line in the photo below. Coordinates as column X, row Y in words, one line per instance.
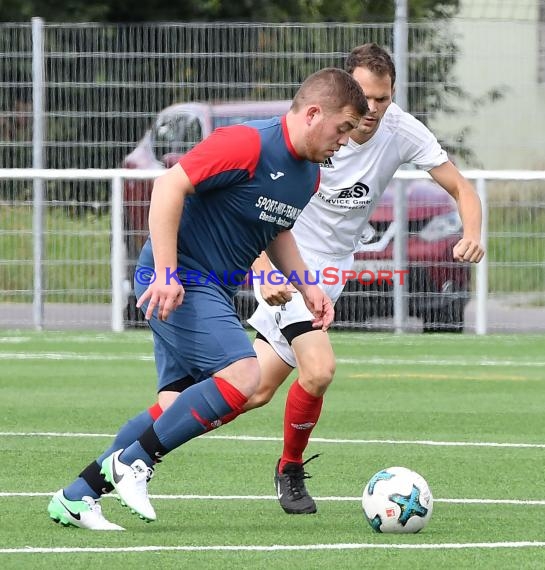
column 417, row 339
column 441, row 362
column 76, row 356
column 332, row 499
column 363, row 546
column 52, row 337
column 324, row 440
column 338, row 337
column 275, row 547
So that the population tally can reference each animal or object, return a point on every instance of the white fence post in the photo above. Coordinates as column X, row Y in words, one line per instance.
column 117, row 259
column 401, row 42
column 37, row 162
column 400, row 256
column 401, row 48
column 481, row 284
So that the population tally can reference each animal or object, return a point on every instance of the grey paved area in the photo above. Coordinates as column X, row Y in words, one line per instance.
column 505, row 315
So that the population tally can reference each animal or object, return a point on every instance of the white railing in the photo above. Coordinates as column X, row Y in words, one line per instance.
column 117, row 260
column 480, row 178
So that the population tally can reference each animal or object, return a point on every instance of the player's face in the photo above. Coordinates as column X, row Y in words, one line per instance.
column 379, row 92
column 328, row 131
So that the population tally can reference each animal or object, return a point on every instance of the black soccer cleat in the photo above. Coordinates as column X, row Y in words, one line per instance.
column 291, row 491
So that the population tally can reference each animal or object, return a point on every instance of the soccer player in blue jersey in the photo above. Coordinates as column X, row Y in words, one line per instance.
column 327, row 235
column 232, row 196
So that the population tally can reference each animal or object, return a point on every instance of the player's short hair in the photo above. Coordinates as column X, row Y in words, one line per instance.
column 372, row 57
column 333, row 89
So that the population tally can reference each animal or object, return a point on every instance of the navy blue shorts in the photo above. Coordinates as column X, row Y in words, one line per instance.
column 203, row 336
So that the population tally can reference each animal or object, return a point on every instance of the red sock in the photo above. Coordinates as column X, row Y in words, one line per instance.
column 301, row 415
column 233, row 397
column 155, row 411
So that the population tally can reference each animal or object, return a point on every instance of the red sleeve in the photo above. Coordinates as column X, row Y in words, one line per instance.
column 228, row 155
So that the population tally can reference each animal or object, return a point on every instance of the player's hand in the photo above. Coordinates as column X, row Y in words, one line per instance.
column 165, row 297
column 468, row 250
column 277, row 294
column 320, row 305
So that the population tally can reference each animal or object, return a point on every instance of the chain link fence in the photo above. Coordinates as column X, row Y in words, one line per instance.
column 103, row 86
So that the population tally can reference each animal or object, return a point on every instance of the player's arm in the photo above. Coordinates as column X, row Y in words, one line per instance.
column 284, row 254
column 469, row 248
column 166, row 206
column 272, row 293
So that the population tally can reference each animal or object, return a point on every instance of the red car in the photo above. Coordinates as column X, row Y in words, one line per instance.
column 438, row 287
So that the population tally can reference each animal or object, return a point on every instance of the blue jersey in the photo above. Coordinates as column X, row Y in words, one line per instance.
column 250, row 185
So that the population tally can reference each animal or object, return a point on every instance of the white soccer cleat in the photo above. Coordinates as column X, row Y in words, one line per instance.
column 83, row 514
column 130, row 482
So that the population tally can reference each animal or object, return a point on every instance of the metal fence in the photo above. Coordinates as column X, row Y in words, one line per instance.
column 103, row 84
column 71, row 270
column 95, row 88
column 83, row 95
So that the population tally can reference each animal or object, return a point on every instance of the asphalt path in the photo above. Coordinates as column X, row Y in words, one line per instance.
column 515, row 314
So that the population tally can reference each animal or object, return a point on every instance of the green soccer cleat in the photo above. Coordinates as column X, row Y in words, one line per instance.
column 86, row 513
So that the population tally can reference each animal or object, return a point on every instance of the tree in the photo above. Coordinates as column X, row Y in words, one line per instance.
column 127, row 11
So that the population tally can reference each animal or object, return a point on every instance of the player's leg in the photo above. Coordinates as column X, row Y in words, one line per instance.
column 281, row 326
column 274, row 370
column 82, row 495
column 315, row 362
column 90, row 481
column 316, row 367
column 198, row 409
column 204, row 338
column 275, row 355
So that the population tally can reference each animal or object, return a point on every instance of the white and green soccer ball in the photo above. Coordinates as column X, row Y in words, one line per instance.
column 397, row 500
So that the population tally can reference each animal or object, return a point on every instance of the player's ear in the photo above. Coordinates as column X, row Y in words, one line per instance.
column 312, row 112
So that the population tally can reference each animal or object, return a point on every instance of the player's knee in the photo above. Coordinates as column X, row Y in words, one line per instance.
column 166, row 399
column 243, row 375
column 261, row 397
column 317, row 376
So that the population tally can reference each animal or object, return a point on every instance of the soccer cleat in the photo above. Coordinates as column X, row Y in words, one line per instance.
column 83, row 514
column 291, row 491
column 130, row 482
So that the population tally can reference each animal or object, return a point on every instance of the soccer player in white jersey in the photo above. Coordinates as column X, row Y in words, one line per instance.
column 327, row 233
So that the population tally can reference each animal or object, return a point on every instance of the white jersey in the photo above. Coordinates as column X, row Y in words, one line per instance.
column 354, row 179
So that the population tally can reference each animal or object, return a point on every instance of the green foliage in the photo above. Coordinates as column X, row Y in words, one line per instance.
column 222, row 10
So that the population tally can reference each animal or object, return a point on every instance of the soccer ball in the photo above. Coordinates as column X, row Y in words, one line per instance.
column 397, row 500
